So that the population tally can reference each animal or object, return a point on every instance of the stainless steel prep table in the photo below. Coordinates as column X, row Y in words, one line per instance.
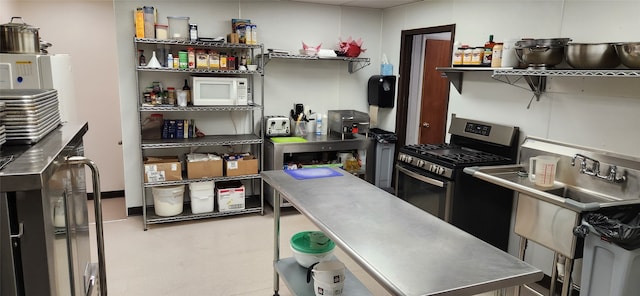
column 274, row 152
column 407, row 250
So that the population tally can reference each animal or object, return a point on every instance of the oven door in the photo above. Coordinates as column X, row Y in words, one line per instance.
column 424, row 190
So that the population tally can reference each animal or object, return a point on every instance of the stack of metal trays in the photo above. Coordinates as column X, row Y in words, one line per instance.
column 3, row 134
column 30, row 114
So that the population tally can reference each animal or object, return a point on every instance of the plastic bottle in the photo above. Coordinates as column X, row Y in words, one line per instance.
column 488, row 51
column 319, row 124
column 169, row 60
column 325, row 119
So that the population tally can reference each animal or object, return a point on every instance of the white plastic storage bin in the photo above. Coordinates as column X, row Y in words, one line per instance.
column 168, row 200
column 201, row 194
column 608, row 269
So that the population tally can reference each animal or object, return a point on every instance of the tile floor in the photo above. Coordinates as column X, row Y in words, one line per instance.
column 222, row 256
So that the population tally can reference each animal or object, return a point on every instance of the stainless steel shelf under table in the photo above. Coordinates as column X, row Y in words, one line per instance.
column 407, row 250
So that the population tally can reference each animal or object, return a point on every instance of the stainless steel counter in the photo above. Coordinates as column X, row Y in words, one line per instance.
column 274, row 152
column 407, row 250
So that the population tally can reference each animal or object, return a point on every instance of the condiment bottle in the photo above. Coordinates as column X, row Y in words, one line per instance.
column 223, row 61
column 188, row 90
column 169, row 60
column 488, row 51
column 496, row 59
column 191, row 57
column 142, row 61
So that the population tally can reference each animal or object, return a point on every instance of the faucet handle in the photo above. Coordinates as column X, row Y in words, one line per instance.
column 613, row 175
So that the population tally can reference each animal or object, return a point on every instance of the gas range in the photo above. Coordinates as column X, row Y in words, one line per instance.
column 444, row 159
column 431, row 178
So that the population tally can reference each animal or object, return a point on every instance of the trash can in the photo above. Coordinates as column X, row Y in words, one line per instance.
column 611, row 262
column 380, row 162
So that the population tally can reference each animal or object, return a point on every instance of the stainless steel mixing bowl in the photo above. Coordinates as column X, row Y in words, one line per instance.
column 629, row 54
column 592, row 55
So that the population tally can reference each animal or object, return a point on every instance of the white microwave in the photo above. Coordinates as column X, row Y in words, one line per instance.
column 214, row 91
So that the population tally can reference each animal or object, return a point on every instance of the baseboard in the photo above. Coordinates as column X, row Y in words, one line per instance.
column 134, row 211
column 107, row 194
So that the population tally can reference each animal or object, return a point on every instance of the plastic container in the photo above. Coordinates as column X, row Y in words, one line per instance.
column 310, row 247
column 149, row 22
column 168, row 200
column 201, row 194
column 178, row 27
column 162, row 32
column 608, row 269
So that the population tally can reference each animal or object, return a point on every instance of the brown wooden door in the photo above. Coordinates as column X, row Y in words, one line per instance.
column 435, row 93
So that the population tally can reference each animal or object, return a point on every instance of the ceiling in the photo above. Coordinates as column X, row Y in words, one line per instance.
column 379, row 4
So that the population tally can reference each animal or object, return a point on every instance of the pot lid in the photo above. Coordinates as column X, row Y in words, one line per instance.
column 21, row 25
column 312, row 242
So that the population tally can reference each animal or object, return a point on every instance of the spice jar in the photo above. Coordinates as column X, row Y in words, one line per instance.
column 476, row 56
column 171, row 95
column 466, row 57
column 457, row 56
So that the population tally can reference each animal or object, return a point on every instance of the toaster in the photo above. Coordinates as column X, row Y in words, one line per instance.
column 277, row 126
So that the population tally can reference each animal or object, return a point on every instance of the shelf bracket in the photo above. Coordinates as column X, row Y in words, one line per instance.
column 538, row 84
column 455, row 78
column 355, row 66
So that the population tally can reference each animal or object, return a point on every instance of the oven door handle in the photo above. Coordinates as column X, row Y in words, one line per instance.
column 421, row 177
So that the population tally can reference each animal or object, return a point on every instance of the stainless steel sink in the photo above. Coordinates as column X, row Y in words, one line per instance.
column 548, row 215
column 561, row 194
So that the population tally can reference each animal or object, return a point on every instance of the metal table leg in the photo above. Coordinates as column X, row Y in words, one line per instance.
column 276, row 241
column 523, row 247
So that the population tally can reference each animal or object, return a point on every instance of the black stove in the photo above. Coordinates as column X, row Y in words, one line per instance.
column 431, row 177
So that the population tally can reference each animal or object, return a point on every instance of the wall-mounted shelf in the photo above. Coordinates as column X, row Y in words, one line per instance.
column 355, row 64
column 535, row 78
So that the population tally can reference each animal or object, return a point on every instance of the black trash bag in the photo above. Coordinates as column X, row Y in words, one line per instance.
column 617, row 225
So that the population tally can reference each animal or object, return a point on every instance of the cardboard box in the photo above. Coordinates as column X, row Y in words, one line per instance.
column 204, row 169
column 230, row 195
column 159, row 169
column 246, row 165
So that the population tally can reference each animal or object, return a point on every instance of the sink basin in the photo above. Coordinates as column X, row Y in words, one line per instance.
column 566, row 196
column 582, row 195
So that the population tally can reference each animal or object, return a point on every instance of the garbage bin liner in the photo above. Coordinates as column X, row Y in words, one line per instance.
column 617, row 225
column 382, row 136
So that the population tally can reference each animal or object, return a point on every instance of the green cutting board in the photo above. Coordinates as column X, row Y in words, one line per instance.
column 288, row 140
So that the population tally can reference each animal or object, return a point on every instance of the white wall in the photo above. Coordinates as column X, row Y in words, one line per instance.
column 595, row 112
column 85, row 31
column 320, row 85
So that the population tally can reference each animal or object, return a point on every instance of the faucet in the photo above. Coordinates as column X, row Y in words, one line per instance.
column 595, row 169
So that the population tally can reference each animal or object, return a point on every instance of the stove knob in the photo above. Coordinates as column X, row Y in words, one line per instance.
column 420, row 163
column 440, row 171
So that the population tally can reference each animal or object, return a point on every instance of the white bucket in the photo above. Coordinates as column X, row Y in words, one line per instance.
column 201, row 194
column 168, row 200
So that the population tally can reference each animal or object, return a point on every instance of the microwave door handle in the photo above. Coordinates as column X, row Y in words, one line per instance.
column 420, row 177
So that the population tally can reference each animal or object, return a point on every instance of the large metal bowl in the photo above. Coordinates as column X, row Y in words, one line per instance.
column 592, row 55
column 541, row 53
column 629, row 54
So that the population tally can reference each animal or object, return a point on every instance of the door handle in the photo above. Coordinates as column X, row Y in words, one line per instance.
column 425, row 124
column 97, row 205
column 16, row 237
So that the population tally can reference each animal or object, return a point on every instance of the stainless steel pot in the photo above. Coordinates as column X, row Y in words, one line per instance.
column 19, row 37
column 629, row 53
column 541, row 53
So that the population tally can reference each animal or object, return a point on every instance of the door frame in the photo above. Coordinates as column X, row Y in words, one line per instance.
column 404, row 71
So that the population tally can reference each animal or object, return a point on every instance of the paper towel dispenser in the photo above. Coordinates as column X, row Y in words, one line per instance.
column 382, row 90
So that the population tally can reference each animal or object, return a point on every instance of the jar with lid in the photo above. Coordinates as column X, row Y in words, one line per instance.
column 466, row 56
column 458, row 55
column 193, row 32
column 496, row 58
column 476, row 56
column 171, row 95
